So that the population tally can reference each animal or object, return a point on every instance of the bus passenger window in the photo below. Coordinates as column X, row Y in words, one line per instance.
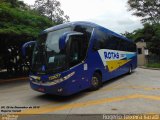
column 112, row 43
column 101, row 40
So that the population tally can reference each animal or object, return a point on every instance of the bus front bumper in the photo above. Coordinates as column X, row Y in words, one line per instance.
column 58, row 89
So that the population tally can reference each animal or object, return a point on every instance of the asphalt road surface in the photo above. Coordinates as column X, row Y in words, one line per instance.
column 138, row 93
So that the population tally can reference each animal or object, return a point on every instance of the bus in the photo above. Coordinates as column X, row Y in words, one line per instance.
column 75, row 56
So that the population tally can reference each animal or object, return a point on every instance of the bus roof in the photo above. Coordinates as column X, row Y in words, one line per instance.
column 90, row 24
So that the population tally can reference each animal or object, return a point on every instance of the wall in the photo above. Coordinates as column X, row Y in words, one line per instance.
column 141, row 56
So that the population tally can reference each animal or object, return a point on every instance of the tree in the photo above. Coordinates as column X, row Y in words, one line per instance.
column 149, row 10
column 15, row 3
column 51, row 9
column 17, row 26
column 152, row 37
column 150, row 34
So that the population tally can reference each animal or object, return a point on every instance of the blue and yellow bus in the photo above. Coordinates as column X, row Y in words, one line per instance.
column 75, row 56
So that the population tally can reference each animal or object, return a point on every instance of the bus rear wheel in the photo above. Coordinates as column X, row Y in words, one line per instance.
column 130, row 69
column 96, row 81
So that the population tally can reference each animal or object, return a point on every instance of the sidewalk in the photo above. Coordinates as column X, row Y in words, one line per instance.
column 144, row 67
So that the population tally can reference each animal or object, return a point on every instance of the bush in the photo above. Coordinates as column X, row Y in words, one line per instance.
column 153, row 65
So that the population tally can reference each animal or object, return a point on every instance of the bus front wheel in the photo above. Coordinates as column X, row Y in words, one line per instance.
column 96, row 81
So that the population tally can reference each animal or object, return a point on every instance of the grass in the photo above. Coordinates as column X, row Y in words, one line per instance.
column 153, row 65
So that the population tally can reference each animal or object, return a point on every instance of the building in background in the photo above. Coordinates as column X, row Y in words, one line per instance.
column 142, row 53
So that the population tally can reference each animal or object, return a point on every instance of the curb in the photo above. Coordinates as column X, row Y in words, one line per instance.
column 148, row 68
column 14, row 79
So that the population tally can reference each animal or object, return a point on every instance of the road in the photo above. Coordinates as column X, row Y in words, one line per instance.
column 138, row 93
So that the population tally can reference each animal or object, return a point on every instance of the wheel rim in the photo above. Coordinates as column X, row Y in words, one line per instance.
column 95, row 81
column 130, row 70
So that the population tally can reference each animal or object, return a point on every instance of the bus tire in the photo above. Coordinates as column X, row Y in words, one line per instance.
column 96, row 81
column 130, row 69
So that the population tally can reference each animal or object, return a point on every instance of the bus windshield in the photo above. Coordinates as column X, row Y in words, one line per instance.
column 49, row 58
column 47, row 55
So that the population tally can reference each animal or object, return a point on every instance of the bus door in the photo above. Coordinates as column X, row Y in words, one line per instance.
column 77, row 53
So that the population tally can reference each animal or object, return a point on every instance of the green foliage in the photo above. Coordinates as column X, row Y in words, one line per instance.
column 18, row 24
column 149, row 10
column 15, row 3
column 21, row 22
column 150, row 34
column 153, row 65
column 51, row 9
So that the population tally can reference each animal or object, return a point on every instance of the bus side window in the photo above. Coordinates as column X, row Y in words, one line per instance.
column 127, row 46
column 112, row 43
column 122, row 45
column 101, row 40
column 133, row 47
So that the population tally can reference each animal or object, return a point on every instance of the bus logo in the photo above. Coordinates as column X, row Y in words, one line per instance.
column 111, row 55
column 43, row 67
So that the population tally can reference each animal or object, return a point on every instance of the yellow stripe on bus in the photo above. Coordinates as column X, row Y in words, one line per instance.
column 114, row 64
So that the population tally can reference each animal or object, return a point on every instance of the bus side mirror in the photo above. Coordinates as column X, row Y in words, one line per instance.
column 25, row 46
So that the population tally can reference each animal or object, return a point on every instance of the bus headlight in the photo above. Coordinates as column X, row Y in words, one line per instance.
column 68, row 76
column 56, row 81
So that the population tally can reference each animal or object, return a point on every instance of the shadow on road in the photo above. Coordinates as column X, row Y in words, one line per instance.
column 64, row 99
